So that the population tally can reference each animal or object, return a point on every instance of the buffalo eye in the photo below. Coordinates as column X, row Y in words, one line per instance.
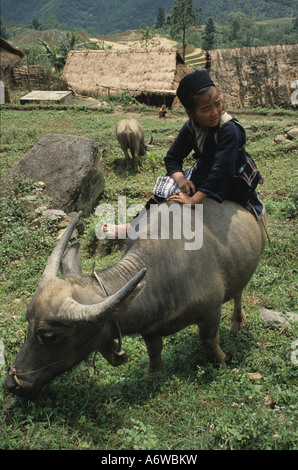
column 46, row 337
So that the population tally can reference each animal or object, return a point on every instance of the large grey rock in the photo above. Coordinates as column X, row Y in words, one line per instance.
column 70, row 168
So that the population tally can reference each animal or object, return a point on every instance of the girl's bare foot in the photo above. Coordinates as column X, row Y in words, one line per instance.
column 115, row 231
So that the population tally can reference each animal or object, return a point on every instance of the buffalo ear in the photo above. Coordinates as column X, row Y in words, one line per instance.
column 71, row 263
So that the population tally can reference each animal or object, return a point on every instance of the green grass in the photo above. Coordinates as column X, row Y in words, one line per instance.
column 191, row 404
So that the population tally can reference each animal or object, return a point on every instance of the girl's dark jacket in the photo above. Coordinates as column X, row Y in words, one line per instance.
column 220, row 161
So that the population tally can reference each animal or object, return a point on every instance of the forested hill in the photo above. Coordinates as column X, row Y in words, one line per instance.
column 108, row 16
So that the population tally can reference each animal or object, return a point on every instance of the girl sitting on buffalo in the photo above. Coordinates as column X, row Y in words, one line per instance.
column 222, row 170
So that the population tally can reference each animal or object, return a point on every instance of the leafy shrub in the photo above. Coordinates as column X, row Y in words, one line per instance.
column 127, row 98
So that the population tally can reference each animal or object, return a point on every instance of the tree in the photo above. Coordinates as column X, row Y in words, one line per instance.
column 57, row 54
column 53, row 54
column 35, row 23
column 235, row 22
column 160, row 18
column 182, row 16
column 3, row 32
column 295, row 24
column 147, row 37
column 209, row 35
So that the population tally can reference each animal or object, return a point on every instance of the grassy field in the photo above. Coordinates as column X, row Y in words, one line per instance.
column 191, row 404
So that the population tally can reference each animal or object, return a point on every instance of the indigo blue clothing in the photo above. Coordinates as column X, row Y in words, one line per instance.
column 219, row 160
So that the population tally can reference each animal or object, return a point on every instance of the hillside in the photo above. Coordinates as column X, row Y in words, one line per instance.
column 104, row 17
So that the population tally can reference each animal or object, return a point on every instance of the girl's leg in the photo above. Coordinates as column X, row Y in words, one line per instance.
column 120, row 231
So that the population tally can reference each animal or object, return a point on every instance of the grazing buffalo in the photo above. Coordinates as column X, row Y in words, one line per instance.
column 130, row 135
column 155, row 290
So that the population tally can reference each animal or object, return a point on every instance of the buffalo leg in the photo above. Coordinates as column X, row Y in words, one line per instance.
column 154, row 346
column 238, row 315
column 136, row 162
column 210, row 338
column 127, row 158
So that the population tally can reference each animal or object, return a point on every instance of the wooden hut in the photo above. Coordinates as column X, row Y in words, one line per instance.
column 10, row 56
column 152, row 75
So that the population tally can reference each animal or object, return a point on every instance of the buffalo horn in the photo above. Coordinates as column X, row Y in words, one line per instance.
column 72, row 312
column 53, row 263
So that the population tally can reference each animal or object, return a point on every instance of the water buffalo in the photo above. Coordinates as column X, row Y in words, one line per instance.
column 156, row 289
column 130, row 135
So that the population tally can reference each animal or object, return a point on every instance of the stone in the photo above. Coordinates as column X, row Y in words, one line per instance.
column 287, row 129
column 53, row 214
column 62, row 220
column 2, row 92
column 271, row 317
column 254, row 376
column 280, row 138
column 70, row 169
column 31, row 198
column 292, row 133
column 65, row 221
column 2, row 354
column 40, row 209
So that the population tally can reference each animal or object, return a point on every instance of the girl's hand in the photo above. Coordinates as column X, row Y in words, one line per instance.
column 183, row 198
column 187, row 187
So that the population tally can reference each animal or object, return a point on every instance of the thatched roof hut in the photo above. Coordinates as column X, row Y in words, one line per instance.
column 249, row 77
column 150, row 74
column 9, row 57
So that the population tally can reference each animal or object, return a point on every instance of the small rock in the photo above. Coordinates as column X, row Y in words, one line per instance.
column 39, row 210
column 2, row 354
column 292, row 133
column 287, row 129
column 31, row 198
column 253, row 376
column 280, row 138
column 41, row 184
column 53, row 214
column 67, row 219
column 269, row 317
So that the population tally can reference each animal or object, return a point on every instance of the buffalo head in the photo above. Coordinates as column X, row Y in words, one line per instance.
column 68, row 318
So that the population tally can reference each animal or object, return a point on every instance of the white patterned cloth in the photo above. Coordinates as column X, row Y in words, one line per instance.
column 165, row 186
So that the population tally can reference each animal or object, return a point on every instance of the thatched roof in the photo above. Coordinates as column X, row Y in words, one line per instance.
column 255, row 76
column 9, row 55
column 152, row 71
